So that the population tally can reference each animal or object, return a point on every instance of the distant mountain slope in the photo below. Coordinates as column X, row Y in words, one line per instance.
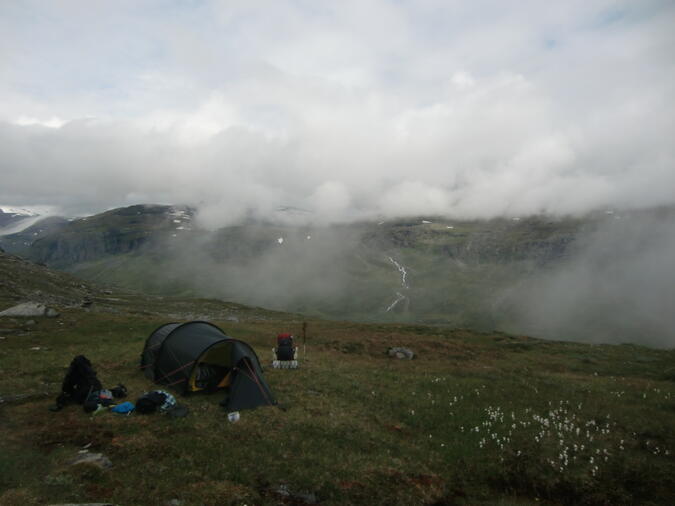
column 19, row 243
column 604, row 277
column 424, row 269
column 62, row 243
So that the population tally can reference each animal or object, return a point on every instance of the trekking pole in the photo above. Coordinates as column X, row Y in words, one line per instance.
column 304, row 340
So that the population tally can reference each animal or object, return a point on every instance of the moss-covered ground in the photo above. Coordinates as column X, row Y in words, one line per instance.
column 476, row 418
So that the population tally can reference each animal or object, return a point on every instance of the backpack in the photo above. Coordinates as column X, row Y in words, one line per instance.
column 285, row 349
column 79, row 382
column 154, row 401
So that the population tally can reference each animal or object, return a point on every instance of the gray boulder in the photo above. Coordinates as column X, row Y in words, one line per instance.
column 30, row 309
column 401, row 353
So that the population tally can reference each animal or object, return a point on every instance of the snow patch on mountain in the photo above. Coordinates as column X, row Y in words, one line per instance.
column 181, row 217
column 17, row 219
column 18, row 211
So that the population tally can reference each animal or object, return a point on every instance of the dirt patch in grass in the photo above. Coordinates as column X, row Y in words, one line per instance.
column 18, row 497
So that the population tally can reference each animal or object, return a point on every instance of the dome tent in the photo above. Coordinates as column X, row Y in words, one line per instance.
column 197, row 355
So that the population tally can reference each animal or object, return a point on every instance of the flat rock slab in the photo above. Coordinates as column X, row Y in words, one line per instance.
column 30, row 309
column 94, row 459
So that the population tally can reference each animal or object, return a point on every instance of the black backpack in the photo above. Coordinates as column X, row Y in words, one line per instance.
column 79, row 382
column 150, row 402
column 285, row 349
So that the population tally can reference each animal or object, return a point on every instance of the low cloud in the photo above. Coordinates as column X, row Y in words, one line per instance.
column 417, row 108
column 285, row 268
column 618, row 286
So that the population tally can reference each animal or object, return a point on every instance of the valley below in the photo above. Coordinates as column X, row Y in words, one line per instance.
column 605, row 277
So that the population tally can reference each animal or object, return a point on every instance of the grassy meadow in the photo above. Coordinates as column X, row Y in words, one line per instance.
column 476, row 418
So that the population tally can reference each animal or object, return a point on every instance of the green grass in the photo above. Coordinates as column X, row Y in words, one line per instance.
column 475, row 419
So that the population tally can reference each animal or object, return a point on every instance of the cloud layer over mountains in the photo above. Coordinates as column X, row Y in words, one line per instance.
column 349, row 109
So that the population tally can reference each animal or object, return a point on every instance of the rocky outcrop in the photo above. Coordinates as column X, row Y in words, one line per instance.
column 29, row 309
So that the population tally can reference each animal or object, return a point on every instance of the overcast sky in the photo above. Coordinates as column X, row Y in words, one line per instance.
column 346, row 108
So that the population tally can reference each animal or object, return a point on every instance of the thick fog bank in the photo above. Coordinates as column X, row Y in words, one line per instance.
column 617, row 287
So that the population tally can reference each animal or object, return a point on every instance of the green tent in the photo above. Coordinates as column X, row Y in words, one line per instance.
column 198, row 356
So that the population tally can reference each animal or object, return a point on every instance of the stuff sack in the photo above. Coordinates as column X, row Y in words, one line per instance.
column 98, row 398
column 119, row 391
column 123, row 409
column 79, row 382
column 157, row 400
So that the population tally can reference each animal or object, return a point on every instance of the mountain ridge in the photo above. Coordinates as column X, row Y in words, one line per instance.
column 476, row 274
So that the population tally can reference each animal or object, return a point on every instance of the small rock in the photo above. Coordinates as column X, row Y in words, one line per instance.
column 30, row 322
column 301, row 497
column 401, row 353
column 174, row 502
column 306, row 497
column 283, row 491
column 51, row 313
column 85, row 504
column 94, row 459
